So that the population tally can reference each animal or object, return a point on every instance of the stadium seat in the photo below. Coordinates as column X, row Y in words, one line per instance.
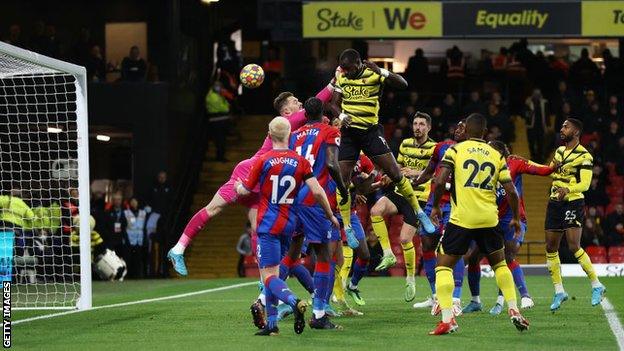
column 596, row 251
column 598, row 258
column 616, row 251
column 616, row 259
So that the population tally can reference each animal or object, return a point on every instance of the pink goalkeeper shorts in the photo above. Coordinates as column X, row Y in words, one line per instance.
column 228, row 193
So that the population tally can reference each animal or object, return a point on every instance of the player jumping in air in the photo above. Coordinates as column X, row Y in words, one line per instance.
column 356, row 101
column 476, row 168
column 517, row 167
column 281, row 174
column 565, row 212
column 289, row 107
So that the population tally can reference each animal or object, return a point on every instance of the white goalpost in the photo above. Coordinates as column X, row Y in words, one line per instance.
column 45, row 240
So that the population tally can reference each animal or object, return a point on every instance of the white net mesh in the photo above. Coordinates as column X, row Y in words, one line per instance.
column 39, row 167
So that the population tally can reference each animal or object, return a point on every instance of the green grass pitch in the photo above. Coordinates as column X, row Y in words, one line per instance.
column 221, row 321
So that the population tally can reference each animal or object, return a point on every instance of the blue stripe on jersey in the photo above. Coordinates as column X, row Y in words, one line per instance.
column 501, row 198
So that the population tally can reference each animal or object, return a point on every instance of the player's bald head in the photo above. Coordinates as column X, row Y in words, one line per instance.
column 476, row 125
column 351, row 63
column 313, row 109
column 279, row 129
column 350, row 56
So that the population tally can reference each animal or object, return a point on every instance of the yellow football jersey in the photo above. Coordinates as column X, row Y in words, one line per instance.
column 477, row 168
column 360, row 98
column 417, row 157
column 575, row 172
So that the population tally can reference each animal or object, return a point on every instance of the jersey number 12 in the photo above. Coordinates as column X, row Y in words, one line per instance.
column 277, row 183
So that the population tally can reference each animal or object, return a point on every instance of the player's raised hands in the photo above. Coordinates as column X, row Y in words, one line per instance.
column 372, row 66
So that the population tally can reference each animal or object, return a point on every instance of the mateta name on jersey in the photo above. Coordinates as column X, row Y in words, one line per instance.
column 286, row 160
column 306, row 132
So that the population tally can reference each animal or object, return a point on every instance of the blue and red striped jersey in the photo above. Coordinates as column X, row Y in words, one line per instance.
column 436, row 157
column 311, row 141
column 517, row 167
column 281, row 174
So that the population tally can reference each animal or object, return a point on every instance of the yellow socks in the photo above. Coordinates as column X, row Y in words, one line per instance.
column 381, row 231
column 338, row 287
column 444, row 291
column 347, row 252
column 410, row 259
column 505, row 283
column 554, row 267
column 345, row 210
column 585, row 262
column 404, row 187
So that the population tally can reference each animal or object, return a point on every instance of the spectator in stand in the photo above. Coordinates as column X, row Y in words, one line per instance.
column 542, row 75
column 135, row 245
column 499, row 61
column 52, row 46
column 390, row 108
column 596, row 194
column 497, row 100
column 560, row 97
column 404, row 126
column 484, row 66
column 474, row 105
column 15, row 36
column 612, row 113
column 162, row 194
column 592, row 229
column 454, row 69
column 218, row 113
column 414, row 101
column 612, row 72
column 133, row 67
column 438, row 123
column 559, row 67
column 244, row 249
column 536, row 114
column 96, row 67
column 495, row 118
column 417, row 71
column 114, row 234
column 593, row 121
column 614, row 226
column 610, row 142
column 450, row 109
column 584, row 72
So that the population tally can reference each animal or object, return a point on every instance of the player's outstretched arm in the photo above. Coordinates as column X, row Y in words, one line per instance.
column 533, row 168
column 392, row 79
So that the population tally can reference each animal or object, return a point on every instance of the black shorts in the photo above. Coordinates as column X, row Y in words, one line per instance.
column 456, row 240
column 561, row 215
column 404, row 208
column 354, row 140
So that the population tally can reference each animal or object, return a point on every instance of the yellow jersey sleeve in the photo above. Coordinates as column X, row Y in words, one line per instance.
column 449, row 157
column 504, row 175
